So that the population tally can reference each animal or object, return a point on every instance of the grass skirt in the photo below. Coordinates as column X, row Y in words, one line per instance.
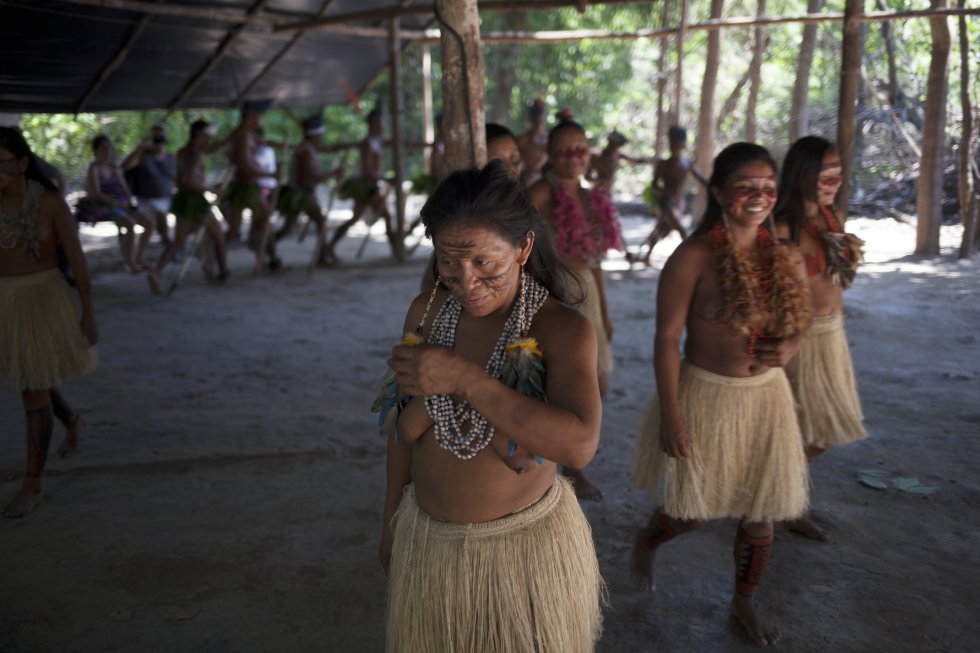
column 189, row 205
column 41, row 342
column 591, row 307
column 823, row 381
column 242, row 195
column 747, row 454
column 526, row 582
column 292, row 201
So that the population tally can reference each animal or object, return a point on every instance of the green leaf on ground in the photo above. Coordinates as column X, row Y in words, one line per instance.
column 873, row 482
column 905, row 482
column 873, row 471
column 922, row 489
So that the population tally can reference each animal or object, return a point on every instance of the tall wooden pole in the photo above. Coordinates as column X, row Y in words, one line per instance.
column 929, row 201
column 755, row 81
column 662, row 119
column 846, row 110
column 427, row 122
column 799, row 113
column 967, row 203
column 705, row 149
column 397, row 137
column 679, row 74
column 463, row 113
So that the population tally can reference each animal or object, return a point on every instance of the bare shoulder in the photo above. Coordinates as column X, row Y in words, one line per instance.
column 417, row 309
column 561, row 328
column 52, row 203
column 694, row 251
column 540, row 194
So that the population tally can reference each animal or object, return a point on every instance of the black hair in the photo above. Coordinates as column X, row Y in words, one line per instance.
column 198, row 126
column 490, row 198
column 12, row 140
column 495, row 131
column 565, row 121
column 727, row 163
column 98, row 141
column 798, row 182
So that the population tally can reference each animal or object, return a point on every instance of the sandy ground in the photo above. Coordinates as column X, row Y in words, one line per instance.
column 229, row 493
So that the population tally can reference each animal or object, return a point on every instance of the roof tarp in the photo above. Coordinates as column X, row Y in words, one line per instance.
column 54, row 53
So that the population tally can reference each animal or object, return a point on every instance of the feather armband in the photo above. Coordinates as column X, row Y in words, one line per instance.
column 388, row 403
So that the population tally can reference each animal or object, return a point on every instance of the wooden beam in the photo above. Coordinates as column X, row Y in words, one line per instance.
column 677, row 112
column 297, row 37
column 114, row 63
column 373, row 15
column 847, row 103
column 218, row 55
column 181, row 11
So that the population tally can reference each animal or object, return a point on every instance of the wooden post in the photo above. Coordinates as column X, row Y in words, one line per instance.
column 662, row 120
column 799, row 113
column 705, row 149
column 679, row 74
column 967, row 202
column 463, row 113
column 850, row 65
column 397, row 138
column 928, row 204
column 427, row 123
column 755, row 68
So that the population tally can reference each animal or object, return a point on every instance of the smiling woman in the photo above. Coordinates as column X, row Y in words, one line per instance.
column 486, row 547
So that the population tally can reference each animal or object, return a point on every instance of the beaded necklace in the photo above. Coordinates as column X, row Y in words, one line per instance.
column 585, row 231
column 22, row 225
column 449, row 418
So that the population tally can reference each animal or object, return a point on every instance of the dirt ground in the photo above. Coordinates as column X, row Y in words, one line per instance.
column 229, row 492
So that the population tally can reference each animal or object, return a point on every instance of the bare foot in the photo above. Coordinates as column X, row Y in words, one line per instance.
column 585, row 490
column 641, row 561
column 808, row 528
column 26, row 500
column 763, row 634
column 153, row 278
column 69, row 447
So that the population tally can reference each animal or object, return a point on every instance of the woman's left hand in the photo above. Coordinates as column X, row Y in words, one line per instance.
column 427, row 369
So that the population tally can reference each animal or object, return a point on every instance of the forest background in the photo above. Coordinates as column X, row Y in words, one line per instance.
column 611, row 84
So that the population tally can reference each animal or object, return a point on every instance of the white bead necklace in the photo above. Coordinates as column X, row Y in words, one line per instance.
column 450, row 418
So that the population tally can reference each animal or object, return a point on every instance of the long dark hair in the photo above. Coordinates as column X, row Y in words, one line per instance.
column 495, row 131
column 12, row 140
column 727, row 163
column 798, row 182
column 490, row 198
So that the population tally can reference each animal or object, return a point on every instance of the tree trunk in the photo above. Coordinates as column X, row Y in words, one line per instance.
column 967, row 201
column 705, row 151
column 860, row 113
column 732, row 101
column 503, row 68
column 929, row 202
column 850, row 62
column 755, row 74
column 678, row 108
column 662, row 120
column 463, row 116
column 397, row 137
column 799, row 118
column 427, row 119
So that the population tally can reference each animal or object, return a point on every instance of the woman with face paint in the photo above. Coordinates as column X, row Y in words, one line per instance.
column 585, row 225
column 485, row 546
column 42, row 341
column 821, row 373
column 720, row 438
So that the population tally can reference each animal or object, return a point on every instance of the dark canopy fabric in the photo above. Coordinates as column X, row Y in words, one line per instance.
column 52, row 53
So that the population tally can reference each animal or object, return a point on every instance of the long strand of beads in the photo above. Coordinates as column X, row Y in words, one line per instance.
column 451, row 419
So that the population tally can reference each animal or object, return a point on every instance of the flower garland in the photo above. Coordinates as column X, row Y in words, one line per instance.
column 762, row 300
column 515, row 361
column 842, row 253
column 585, row 235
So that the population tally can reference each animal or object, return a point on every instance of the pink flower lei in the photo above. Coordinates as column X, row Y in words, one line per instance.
column 586, row 236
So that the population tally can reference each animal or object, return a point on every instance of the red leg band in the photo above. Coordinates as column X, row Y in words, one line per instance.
column 662, row 532
column 751, row 556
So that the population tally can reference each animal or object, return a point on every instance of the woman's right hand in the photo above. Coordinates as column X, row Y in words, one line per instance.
column 384, row 551
column 675, row 440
